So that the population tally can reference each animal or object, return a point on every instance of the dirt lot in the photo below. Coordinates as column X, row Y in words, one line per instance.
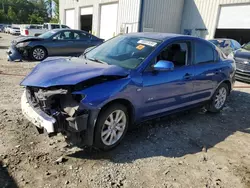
column 192, row 149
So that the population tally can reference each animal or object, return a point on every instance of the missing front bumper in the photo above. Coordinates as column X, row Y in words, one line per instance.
column 39, row 118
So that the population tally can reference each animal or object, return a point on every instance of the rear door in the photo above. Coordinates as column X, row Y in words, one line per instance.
column 208, row 71
column 82, row 41
column 61, row 43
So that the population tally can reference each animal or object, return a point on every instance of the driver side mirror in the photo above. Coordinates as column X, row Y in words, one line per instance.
column 163, row 65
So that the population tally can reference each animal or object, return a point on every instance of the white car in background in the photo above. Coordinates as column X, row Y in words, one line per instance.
column 36, row 30
column 7, row 28
column 32, row 30
column 14, row 30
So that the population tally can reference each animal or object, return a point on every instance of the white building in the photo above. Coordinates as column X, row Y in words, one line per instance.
column 203, row 18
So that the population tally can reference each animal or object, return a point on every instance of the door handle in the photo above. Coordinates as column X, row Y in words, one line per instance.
column 187, row 76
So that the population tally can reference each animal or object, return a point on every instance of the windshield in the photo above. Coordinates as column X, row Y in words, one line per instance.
column 124, row 51
column 247, row 46
column 47, row 34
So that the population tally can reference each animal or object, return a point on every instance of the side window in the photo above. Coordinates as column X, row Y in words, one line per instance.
column 55, row 26
column 74, row 36
column 45, row 26
column 84, row 36
column 204, row 53
column 65, row 35
column 64, row 26
column 176, row 53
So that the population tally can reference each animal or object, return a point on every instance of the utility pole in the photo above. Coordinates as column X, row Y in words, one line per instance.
column 3, row 5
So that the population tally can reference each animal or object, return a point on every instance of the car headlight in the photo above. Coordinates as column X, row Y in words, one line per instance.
column 22, row 44
column 231, row 55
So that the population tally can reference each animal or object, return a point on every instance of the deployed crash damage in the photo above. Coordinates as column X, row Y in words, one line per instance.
column 19, row 49
column 61, row 108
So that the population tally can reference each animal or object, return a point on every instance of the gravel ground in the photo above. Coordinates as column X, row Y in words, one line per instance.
column 190, row 149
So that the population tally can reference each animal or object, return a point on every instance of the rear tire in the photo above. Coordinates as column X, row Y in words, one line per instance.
column 219, row 99
column 111, row 127
column 38, row 53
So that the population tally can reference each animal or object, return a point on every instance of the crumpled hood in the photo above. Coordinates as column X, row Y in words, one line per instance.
column 60, row 71
column 242, row 53
column 25, row 39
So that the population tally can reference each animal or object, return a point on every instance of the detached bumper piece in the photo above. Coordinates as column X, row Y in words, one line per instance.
column 37, row 116
column 13, row 54
column 52, row 121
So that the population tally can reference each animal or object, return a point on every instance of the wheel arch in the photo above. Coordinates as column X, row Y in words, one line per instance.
column 228, row 83
column 128, row 104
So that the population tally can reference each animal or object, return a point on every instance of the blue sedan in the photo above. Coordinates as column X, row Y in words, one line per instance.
column 129, row 79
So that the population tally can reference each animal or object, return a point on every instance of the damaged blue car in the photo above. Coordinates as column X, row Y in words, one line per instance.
column 132, row 78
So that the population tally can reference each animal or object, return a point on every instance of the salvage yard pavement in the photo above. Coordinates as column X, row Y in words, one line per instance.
column 190, row 149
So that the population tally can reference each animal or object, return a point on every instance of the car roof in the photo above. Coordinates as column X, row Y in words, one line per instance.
column 220, row 39
column 159, row 36
column 67, row 29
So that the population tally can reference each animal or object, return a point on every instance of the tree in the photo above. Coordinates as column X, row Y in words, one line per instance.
column 3, row 17
column 56, row 10
column 12, row 15
column 35, row 18
column 23, row 11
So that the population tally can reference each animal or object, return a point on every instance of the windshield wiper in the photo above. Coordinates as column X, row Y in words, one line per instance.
column 96, row 60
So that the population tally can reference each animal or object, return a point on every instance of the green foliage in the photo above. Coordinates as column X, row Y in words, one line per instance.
column 54, row 20
column 3, row 16
column 35, row 18
column 12, row 15
column 24, row 11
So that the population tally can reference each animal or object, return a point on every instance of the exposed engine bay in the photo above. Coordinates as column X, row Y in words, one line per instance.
column 59, row 102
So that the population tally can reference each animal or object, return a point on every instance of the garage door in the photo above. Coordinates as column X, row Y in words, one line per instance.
column 70, row 18
column 86, row 19
column 234, row 22
column 234, row 17
column 87, row 11
column 108, row 23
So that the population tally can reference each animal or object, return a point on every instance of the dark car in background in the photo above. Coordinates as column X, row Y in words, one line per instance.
column 58, row 42
column 227, row 46
column 1, row 27
column 242, row 59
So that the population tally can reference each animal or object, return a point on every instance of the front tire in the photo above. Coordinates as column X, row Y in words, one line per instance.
column 111, row 127
column 38, row 53
column 219, row 99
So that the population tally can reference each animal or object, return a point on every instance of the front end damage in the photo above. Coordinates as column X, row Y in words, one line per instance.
column 14, row 54
column 61, row 109
column 56, row 110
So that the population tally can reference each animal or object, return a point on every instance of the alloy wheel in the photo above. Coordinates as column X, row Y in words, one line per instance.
column 113, row 127
column 38, row 53
column 220, row 98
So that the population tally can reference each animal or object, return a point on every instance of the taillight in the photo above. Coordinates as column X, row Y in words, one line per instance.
column 26, row 32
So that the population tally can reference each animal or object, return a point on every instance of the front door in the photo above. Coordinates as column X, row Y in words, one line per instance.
column 168, row 90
